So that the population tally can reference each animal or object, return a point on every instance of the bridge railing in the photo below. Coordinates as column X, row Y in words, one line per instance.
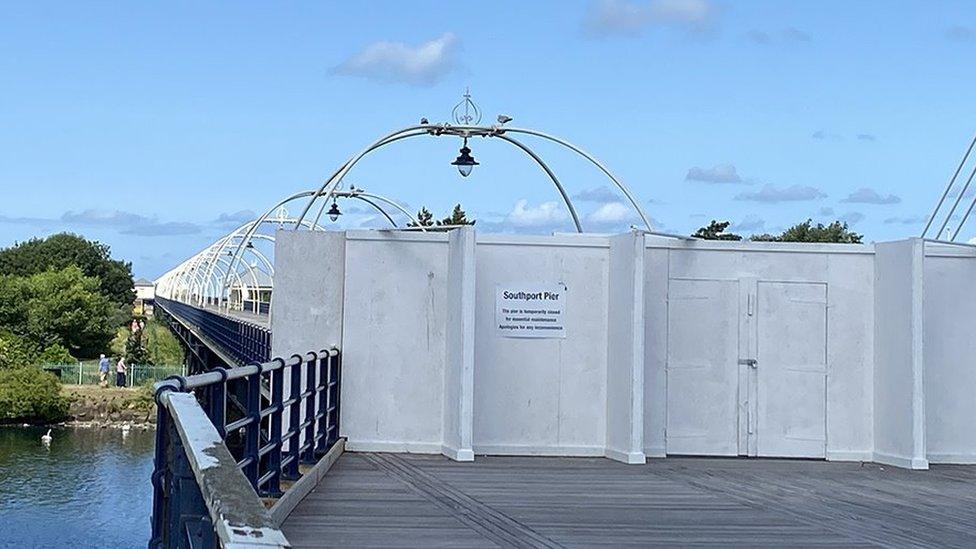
column 244, row 341
column 213, row 461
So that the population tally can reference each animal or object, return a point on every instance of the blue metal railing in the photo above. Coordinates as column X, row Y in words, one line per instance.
column 290, row 416
column 242, row 340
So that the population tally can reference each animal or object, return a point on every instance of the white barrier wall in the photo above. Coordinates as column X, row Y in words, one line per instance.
column 542, row 396
column 899, row 412
column 843, row 272
column 308, row 292
column 666, row 346
column 394, row 348
column 950, row 353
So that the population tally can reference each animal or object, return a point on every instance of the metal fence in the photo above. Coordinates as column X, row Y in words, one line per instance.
column 226, row 436
column 244, row 341
column 258, row 307
column 86, row 373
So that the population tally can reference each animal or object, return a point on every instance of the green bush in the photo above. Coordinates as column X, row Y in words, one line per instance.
column 31, row 394
column 14, row 351
column 56, row 354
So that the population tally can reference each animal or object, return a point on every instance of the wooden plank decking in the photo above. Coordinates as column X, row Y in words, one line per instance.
column 395, row 500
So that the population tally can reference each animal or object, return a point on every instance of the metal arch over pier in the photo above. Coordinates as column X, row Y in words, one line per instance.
column 209, row 276
column 466, row 132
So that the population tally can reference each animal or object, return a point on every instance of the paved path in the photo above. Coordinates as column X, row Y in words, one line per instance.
column 396, row 500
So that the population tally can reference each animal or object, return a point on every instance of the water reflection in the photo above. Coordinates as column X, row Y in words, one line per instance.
column 87, row 488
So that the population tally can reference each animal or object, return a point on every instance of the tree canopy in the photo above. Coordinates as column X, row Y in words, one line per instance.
column 65, row 249
column 426, row 219
column 457, row 217
column 62, row 307
column 836, row 232
column 716, row 231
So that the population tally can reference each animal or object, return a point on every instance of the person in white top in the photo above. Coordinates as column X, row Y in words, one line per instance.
column 120, row 372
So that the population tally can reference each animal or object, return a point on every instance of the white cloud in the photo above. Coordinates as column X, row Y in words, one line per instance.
column 612, row 213
column 906, row 220
column 236, row 218
column 625, row 17
column 598, row 194
column 723, row 173
column 169, row 228
column 826, row 136
column 421, row 65
column 959, row 33
column 543, row 215
column 103, row 218
column 852, row 218
column 750, row 222
column 794, row 34
column 681, row 11
column 772, row 194
column 759, row 37
column 789, row 35
column 128, row 223
column 866, row 195
column 826, row 211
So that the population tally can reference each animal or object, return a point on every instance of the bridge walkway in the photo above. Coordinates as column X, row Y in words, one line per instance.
column 400, row 500
column 254, row 318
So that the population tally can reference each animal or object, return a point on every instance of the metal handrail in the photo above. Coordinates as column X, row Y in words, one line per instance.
column 286, row 420
column 243, row 341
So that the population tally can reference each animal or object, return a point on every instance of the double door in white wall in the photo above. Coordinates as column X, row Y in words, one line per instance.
column 746, row 368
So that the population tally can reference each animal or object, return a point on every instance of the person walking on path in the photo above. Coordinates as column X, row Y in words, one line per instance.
column 120, row 372
column 103, row 371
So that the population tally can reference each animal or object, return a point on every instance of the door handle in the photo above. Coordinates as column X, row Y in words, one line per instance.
column 750, row 362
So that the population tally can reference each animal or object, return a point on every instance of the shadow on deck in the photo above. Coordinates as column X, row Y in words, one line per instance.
column 397, row 500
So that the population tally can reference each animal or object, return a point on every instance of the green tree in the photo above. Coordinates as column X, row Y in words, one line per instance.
column 457, row 217
column 28, row 393
column 424, row 219
column 135, row 352
column 14, row 351
column 14, row 293
column 716, row 231
column 62, row 250
column 164, row 349
column 65, row 307
column 836, row 232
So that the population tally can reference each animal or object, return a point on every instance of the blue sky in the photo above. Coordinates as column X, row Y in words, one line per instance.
column 141, row 125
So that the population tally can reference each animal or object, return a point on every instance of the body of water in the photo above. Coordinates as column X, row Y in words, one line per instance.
column 90, row 488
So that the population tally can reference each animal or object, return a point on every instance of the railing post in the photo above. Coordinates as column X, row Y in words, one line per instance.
column 159, row 479
column 274, row 459
column 334, row 398
column 322, row 392
column 309, row 421
column 217, row 403
column 294, row 418
column 252, row 432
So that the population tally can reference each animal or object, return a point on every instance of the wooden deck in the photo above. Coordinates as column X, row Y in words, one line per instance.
column 395, row 500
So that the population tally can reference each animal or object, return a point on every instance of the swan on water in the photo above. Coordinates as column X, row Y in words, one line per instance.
column 46, row 439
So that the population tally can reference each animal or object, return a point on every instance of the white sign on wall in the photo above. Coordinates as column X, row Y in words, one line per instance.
column 530, row 311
